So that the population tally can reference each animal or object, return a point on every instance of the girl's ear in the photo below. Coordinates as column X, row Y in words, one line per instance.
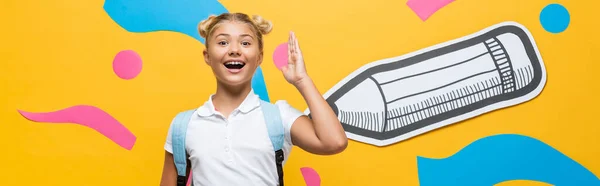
column 260, row 58
column 206, row 60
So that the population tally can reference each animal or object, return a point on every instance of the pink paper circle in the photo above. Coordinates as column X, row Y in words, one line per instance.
column 127, row 64
column 280, row 57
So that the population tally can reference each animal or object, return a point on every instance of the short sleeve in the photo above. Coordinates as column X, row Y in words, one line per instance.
column 288, row 116
column 168, row 145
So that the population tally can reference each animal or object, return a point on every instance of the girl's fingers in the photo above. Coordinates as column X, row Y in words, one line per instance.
column 293, row 41
column 296, row 45
column 290, row 49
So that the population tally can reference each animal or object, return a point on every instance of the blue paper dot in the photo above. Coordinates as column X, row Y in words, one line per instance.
column 555, row 18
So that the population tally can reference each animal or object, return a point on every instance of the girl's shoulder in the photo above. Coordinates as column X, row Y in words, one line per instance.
column 288, row 111
column 283, row 104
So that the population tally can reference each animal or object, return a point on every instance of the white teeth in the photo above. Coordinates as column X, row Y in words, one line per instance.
column 234, row 63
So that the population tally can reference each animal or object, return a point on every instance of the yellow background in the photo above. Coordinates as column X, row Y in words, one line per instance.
column 56, row 54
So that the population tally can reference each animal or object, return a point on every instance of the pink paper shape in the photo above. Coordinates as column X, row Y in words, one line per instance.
column 127, row 64
column 425, row 8
column 311, row 177
column 280, row 55
column 91, row 117
column 189, row 181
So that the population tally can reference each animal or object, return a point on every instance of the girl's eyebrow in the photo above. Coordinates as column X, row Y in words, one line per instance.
column 222, row 34
column 227, row 35
column 249, row 35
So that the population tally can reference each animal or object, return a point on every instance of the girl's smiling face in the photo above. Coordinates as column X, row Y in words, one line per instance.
column 233, row 52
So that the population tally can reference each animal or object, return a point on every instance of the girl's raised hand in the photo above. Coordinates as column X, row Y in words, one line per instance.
column 295, row 71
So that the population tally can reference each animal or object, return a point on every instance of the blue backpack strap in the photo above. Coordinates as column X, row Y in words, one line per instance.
column 178, row 133
column 276, row 134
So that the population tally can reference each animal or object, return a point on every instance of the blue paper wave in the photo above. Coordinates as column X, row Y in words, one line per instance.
column 180, row 16
column 504, row 157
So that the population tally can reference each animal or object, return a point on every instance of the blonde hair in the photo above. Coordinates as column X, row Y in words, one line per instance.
column 257, row 24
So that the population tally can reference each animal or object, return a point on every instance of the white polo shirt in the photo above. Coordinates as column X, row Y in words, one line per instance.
column 235, row 150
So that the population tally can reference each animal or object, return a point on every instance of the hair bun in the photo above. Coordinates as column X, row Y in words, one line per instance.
column 203, row 26
column 264, row 26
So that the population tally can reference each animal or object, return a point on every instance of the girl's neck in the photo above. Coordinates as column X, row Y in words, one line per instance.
column 227, row 98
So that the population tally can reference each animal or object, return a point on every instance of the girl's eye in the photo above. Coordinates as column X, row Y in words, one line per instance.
column 222, row 43
column 245, row 43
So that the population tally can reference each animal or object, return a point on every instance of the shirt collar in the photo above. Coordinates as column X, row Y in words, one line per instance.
column 250, row 102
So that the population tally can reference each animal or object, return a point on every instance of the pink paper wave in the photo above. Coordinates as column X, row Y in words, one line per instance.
column 91, row 117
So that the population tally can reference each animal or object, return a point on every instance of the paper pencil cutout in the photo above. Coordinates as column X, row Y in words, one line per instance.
column 394, row 99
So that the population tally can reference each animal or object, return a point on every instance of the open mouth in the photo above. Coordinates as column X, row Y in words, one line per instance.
column 234, row 65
